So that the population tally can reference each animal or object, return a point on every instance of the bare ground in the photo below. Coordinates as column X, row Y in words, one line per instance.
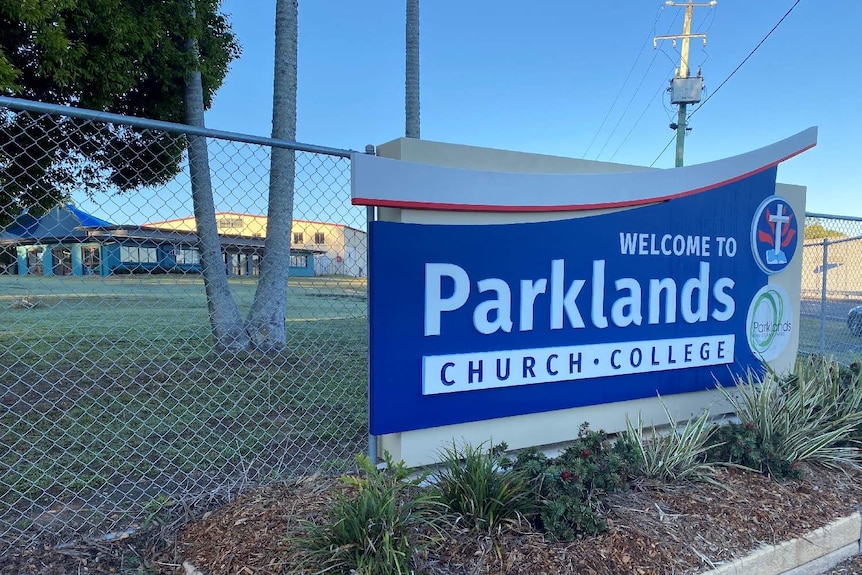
column 654, row 529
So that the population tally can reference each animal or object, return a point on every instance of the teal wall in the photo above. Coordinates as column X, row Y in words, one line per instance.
column 307, row 271
column 110, row 262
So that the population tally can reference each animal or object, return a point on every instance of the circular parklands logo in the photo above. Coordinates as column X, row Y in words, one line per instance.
column 774, row 232
column 769, row 323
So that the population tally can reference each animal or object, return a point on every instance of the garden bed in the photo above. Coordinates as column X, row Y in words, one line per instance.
column 653, row 529
column 683, row 501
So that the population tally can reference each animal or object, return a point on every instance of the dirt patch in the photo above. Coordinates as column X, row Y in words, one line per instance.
column 655, row 529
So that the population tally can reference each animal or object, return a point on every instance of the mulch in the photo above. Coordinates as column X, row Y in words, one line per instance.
column 655, row 529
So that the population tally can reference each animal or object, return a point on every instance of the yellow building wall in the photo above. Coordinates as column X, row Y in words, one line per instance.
column 227, row 223
column 335, row 252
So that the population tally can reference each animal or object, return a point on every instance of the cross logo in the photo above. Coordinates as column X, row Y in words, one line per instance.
column 774, row 233
column 775, row 255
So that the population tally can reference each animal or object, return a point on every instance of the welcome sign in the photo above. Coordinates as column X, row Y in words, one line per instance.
column 472, row 322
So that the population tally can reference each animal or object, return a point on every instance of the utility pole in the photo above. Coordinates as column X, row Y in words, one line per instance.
column 684, row 89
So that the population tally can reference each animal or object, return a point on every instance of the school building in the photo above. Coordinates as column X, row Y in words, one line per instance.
column 69, row 241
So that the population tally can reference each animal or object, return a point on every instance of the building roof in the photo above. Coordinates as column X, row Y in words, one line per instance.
column 68, row 223
column 174, row 221
column 60, row 223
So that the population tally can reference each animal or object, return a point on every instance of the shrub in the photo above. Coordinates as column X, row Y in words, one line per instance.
column 739, row 444
column 375, row 531
column 477, row 485
column 808, row 416
column 572, row 486
column 675, row 455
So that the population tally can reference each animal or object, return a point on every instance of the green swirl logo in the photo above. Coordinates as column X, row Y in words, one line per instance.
column 769, row 323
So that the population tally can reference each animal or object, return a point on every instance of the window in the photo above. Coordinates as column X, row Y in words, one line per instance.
column 62, row 261
column 319, row 238
column 297, row 238
column 128, row 253
column 234, row 266
column 230, row 223
column 187, row 256
column 90, row 259
column 136, row 254
column 300, row 261
column 34, row 261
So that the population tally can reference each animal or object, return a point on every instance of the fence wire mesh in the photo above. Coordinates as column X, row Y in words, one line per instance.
column 831, row 315
column 116, row 405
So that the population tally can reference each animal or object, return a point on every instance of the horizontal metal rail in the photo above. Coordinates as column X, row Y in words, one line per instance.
column 23, row 105
column 833, row 217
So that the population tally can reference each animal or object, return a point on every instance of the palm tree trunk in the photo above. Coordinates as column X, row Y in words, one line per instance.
column 225, row 321
column 411, row 104
column 265, row 324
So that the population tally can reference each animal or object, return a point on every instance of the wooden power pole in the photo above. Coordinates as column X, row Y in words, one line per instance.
column 684, row 89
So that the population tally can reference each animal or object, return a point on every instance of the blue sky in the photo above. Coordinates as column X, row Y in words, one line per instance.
column 544, row 78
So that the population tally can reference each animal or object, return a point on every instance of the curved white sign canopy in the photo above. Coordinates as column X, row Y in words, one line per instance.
column 400, row 184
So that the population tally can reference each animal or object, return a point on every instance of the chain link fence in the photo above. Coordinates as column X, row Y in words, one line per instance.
column 832, row 287
column 117, row 408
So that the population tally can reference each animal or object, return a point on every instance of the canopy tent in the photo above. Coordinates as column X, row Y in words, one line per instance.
column 64, row 222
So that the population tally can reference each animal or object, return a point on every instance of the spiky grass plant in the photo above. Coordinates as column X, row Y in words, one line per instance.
column 376, row 530
column 843, row 384
column 480, row 490
column 802, row 417
column 676, row 454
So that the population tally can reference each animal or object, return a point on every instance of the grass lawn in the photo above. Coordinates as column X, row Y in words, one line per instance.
column 113, row 397
column 114, row 401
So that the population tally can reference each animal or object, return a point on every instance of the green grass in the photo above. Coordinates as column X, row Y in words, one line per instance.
column 110, row 385
column 113, row 382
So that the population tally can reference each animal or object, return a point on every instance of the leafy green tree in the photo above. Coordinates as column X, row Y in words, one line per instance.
column 817, row 231
column 122, row 56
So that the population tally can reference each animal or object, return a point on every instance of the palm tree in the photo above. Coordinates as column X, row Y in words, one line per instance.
column 411, row 104
column 225, row 320
column 264, row 328
column 265, row 324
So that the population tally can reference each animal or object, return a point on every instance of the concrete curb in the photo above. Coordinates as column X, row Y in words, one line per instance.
column 811, row 554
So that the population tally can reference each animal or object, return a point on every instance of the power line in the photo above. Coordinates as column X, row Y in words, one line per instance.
column 735, row 70
column 660, row 154
column 662, row 87
column 750, row 54
column 625, row 82
column 711, row 17
column 637, row 91
column 623, row 115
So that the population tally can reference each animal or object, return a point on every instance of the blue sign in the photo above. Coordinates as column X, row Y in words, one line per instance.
column 472, row 322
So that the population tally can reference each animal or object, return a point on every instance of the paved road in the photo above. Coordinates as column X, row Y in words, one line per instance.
column 836, row 309
column 839, row 342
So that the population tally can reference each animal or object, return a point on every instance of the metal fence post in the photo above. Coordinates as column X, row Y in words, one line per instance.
column 370, row 216
column 823, row 271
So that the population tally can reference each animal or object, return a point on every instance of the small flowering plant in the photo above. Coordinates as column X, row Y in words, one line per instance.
column 571, row 487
